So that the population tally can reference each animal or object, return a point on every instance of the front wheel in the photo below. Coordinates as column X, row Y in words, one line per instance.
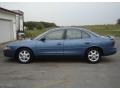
column 24, row 56
column 93, row 55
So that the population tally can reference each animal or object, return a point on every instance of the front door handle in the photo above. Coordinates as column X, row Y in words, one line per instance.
column 59, row 43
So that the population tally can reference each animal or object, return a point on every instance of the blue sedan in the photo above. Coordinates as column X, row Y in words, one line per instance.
column 63, row 41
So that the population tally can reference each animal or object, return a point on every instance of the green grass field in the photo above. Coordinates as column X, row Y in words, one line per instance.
column 105, row 29
column 113, row 30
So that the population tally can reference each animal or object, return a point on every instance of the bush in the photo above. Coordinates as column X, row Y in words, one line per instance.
column 118, row 21
column 38, row 25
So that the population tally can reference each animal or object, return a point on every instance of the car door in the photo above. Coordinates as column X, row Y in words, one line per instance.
column 52, row 43
column 76, row 41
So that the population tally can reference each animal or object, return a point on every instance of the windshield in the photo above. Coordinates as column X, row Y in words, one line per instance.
column 39, row 36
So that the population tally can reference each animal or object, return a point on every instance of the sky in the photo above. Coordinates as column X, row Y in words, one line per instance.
column 68, row 13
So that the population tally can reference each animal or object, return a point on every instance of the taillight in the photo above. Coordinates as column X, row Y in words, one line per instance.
column 113, row 43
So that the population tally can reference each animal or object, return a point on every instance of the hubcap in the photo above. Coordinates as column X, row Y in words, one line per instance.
column 24, row 56
column 93, row 55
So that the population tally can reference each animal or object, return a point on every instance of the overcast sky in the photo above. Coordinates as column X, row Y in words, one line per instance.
column 68, row 13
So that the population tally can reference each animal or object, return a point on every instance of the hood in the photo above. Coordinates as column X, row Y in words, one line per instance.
column 20, row 42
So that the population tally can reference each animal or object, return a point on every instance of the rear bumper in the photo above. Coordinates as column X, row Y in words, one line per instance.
column 109, row 51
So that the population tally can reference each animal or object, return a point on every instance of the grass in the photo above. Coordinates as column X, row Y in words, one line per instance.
column 113, row 30
column 108, row 32
column 103, row 27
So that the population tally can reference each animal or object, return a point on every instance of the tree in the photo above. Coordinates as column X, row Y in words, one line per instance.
column 118, row 21
column 30, row 25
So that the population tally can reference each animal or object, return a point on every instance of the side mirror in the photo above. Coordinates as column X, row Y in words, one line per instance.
column 42, row 39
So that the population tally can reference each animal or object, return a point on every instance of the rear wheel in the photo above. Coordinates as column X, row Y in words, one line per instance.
column 24, row 56
column 93, row 55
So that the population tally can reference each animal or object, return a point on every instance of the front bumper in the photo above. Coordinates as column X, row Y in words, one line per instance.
column 8, row 53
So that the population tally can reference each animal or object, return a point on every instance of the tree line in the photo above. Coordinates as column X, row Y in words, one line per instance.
column 30, row 25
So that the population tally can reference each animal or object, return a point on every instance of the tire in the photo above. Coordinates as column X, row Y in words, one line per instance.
column 93, row 55
column 24, row 56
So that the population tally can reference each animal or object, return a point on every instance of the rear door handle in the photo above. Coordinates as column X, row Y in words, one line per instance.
column 87, row 42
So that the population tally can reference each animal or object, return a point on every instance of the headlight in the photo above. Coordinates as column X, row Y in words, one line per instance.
column 7, row 48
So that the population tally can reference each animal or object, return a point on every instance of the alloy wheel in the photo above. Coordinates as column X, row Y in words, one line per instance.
column 24, row 56
column 93, row 55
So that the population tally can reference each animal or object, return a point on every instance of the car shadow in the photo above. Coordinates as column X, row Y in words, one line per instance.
column 58, row 59
column 107, row 60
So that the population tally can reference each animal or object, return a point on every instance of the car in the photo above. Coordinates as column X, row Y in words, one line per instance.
column 62, row 41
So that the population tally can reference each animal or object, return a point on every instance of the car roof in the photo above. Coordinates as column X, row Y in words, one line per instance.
column 79, row 28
